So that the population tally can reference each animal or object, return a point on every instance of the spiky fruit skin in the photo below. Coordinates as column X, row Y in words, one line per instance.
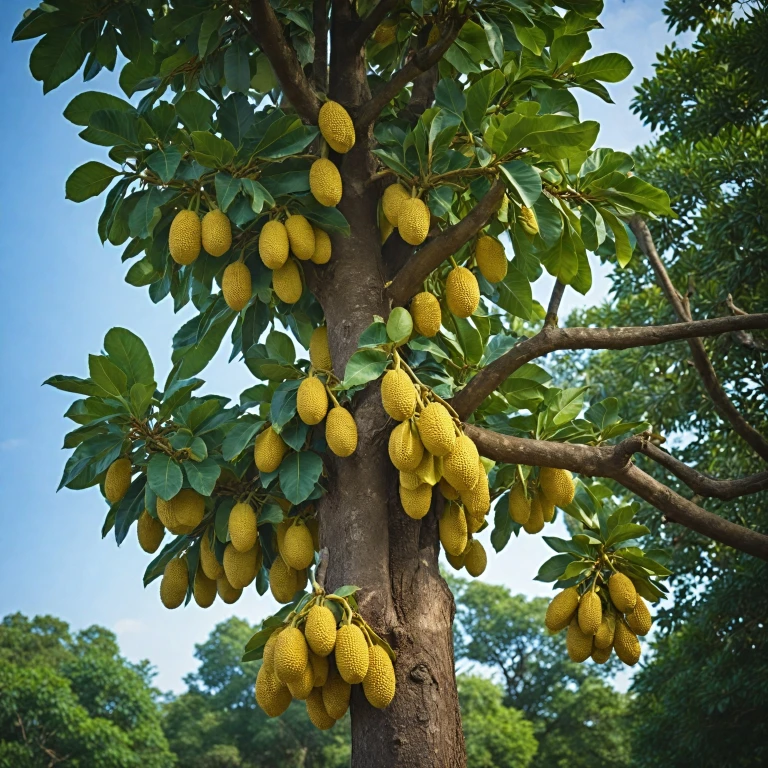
column 436, row 429
column 491, row 259
column 639, row 619
column 241, row 568
column 562, row 609
column 269, row 650
column 175, row 582
column 461, row 465
column 320, row 630
column 547, row 509
column 416, row 502
column 405, row 447
column 409, row 480
column 557, row 485
column 336, row 126
column 273, row 244
column 291, row 655
column 413, row 221
column 301, row 236
column 150, row 532
column 590, row 613
column 351, row 653
column 280, row 530
column 269, row 450
column 320, row 668
column 212, row 568
column 319, row 351
column 398, row 395
column 430, row 469
column 425, row 311
column 216, row 233
column 302, row 687
column 448, row 491
column 283, row 581
column 477, row 501
column 462, row 293
column 185, row 237
column 336, row 692
column 341, row 432
column 394, row 196
column 227, row 592
column 311, row 401
column 316, row 711
column 242, row 527
column 578, row 645
column 476, row 559
column 183, row 513
column 453, row 530
column 528, row 221
column 323, row 248
column 325, row 183
column 604, row 634
column 601, row 655
column 297, row 550
column 379, row 682
column 236, row 285
column 271, row 695
column 117, row 481
column 203, row 589
column 474, row 524
column 519, row 505
column 626, row 644
column 623, row 593
column 286, row 282
column 535, row 522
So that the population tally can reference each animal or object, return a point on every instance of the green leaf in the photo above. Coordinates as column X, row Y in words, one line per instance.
column 107, row 376
column 164, row 162
column 237, row 70
column 399, row 325
column 72, row 384
column 604, row 413
column 610, row 68
column 375, row 335
column 80, row 109
column 365, row 365
column 625, row 532
column 515, row 294
column 280, row 347
column 469, row 339
column 346, row 590
column 202, row 475
column 130, row 354
column 480, row 96
column 164, row 476
column 524, row 180
column 554, row 568
column 285, row 136
column 212, row 151
column 145, row 215
column 620, row 237
column 298, row 474
column 227, row 188
column 111, row 128
column 449, row 95
column 258, row 193
column 129, row 508
column 157, row 566
column 503, row 525
column 240, row 436
column 567, row 49
column 283, row 407
column 58, row 56
column 195, row 111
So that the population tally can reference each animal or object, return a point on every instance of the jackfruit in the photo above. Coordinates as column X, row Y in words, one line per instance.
column 416, row 503
column 623, row 593
column 291, row 655
column 175, row 582
column 601, row 655
column 413, row 221
column 461, row 465
column 341, row 432
column 379, row 682
column 117, row 481
column 316, row 711
column 241, row 568
column 323, row 249
column 185, row 237
column 405, row 448
column 557, row 485
column 457, row 563
column 286, row 282
column 425, row 311
column 398, row 394
column 212, row 568
column 283, row 581
column 319, row 666
column 604, row 634
column 394, row 196
column 280, row 530
column 216, row 233
column 436, row 429
column 474, row 524
column 562, row 609
column 269, row 450
column 226, row 591
column 301, row 236
column 448, row 491
column 453, row 529
column 242, row 527
column 626, row 644
column 491, row 259
column 320, row 630
column 319, row 351
column 430, row 469
column 336, row 692
column 236, row 285
column 462, row 293
column 475, row 559
column 297, row 549
column 150, row 532
column 271, row 695
column 519, row 505
column 269, row 650
column 535, row 522
column 547, row 509
column 336, row 126
column 528, row 221
column 639, row 619
column 578, row 645
column 312, row 401
column 325, row 183
column 302, row 687
column 351, row 653
column 590, row 612
column 273, row 244
column 183, row 513
column 203, row 589
column 477, row 501
column 409, row 480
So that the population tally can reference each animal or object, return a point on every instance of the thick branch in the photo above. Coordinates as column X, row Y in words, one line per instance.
column 615, row 462
column 371, row 21
column 320, row 31
column 408, row 280
column 268, row 33
column 551, row 339
column 699, row 355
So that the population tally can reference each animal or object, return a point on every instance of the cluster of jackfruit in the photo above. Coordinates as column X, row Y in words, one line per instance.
column 532, row 507
column 606, row 616
column 314, row 658
column 296, row 541
column 188, row 235
column 428, row 447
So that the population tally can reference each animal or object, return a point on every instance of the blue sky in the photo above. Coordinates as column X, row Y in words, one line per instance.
column 63, row 291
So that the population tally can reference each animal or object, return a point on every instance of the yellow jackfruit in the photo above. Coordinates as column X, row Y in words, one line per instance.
column 280, row 530
column 242, row 527
column 547, row 509
column 639, row 619
column 336, row 692
column 405, row 448
column 269, row 450
column 227, row 592
column 528, row 221
column 117, row 481
column 474, row 524
column 351, row 653
column 379, row 682
column 578, row 645
column 436, row 429
column 185, row 237
column 448, row 491
column 183, row 513
column 286, row 282
column 271, row 695
column 150, row 532
column 461, row 465
column 491, row 259
column 291, row 655
column 457, row 563
column 212, row 568
column 626, row 644
column 462, row 293
column 302, row 687
column 297, row 549
column 416, row 503
column 475, row 559
column 623, row 593
column 320, row 630
column 394, row 196
column 413, row 221
column 316, row 711
column 203, row 589
column 319, row 351
column 283, row 581
column 323, row 249
column 241, row 568
column 269, row 650
column 519, row 505
column 216, row 233
column 236, row 285
column 325, row 183
column 273, row 244
column 341, row 432
column 477, row 501
column 425, row 311
column 590, row 612
column 312, row 401
column 562, row 609
column 557, row 485
column 604, row 634
column 453, row 529
column 430, row 469
column 319, row 666
column 409, row 480
column 301, row 236
column 175, row 582
column 601, row 655
column 398, row 394
column 535, row 522
column 336, row 126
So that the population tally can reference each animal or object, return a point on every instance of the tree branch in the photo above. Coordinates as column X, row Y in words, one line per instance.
column 551, row 339
column 699, row 355
column 371, row 21
column 320, row 31
column 554, row 303
column 408, row 280
column 615, row 462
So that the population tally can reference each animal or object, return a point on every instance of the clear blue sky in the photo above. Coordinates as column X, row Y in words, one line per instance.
column 63, row 291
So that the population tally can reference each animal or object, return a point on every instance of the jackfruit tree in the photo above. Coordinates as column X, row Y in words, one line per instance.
column 351, row 179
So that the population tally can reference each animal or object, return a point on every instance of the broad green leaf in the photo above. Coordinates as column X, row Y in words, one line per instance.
column 554, row 568
column 399, row 325
column 164, row 162
column 212, row 151
column 610, row 68
column 283, row 407
column 195, row 111
column 58, row 56
column 524, row 180
column 298, row 474
column 107, row 376
column 112, row 127
column 375, row 335
column 164, row 476
column 130, row 354
column 157, row 566
column 202, row 475
column 480, row 96
column 237, row 70
column 80, row 109
column 620, row 236
column 514, row 293
column 503, row 526
column 129, row 508
column 449, row 95
column 365, row 365
column 227, row 188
